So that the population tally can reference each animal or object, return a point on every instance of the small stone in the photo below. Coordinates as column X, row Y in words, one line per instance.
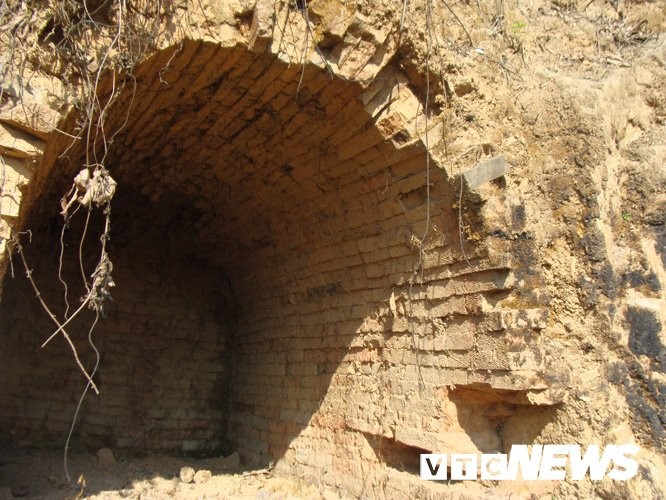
column 186, row 474
column 105, row 457
column 6, row 493
column 202, row 476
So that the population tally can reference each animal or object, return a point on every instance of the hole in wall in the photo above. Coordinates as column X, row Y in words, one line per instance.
column 263, row 246
column 250, row 237
column 51, row 33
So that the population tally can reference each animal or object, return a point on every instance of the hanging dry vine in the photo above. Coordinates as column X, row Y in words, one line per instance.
column 80, row 41
column 433, row 48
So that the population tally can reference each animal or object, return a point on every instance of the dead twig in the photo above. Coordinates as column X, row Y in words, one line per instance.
column 462, row 25
column 120, row 39
column 403, row 15
column 19, row 248
column 306, row 17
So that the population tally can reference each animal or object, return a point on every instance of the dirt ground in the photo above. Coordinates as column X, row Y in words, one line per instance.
column 572, row 94
column 40, row 474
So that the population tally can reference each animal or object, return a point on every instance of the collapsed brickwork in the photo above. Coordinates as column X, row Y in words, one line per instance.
column 288, row 283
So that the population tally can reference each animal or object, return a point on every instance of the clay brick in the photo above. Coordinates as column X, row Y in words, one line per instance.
column 161, row 95
column 308, row 207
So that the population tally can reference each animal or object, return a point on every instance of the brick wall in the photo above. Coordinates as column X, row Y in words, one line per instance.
column 338, row 339
column 164, row 350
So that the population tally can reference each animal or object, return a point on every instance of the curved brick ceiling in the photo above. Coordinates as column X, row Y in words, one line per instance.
column 272, row 163
column 309, row 192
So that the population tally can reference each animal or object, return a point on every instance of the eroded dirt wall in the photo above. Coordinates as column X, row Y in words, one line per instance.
column 550, row 326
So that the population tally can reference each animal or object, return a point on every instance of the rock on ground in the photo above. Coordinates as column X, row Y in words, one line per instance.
column 186, row 474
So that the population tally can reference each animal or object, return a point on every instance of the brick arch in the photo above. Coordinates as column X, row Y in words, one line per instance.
column 266, row 230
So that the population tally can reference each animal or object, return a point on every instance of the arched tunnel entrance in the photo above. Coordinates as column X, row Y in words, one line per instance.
column 267, row 226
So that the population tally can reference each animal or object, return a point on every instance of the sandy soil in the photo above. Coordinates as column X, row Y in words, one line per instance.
column 40, row 474
column 572, row 93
